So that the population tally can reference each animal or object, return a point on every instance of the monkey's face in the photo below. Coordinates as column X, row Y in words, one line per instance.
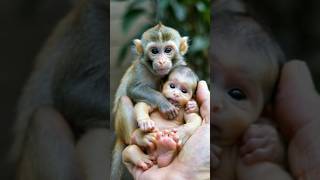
column 178, row 89
column 160, row 56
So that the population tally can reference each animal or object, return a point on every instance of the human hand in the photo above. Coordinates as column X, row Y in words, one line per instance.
column 262, row 142
column 203, row 98
column 296, row 110
column 297, row 102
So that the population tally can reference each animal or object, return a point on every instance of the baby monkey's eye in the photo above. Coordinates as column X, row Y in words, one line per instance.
column 168, row 49
column 184, row 91
column 237, row 94
column 154, row 50
column 172, row 85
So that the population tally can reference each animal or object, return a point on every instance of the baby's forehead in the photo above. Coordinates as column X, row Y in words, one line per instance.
column 182, row 79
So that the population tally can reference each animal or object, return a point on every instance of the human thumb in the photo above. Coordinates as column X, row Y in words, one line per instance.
column 296, row 98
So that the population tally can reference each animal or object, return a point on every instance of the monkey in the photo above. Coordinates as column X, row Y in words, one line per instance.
column 160, row 49
column 64, row 103
column 179, row 88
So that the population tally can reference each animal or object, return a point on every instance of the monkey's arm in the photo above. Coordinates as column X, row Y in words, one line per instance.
column 142, row 111
column 145, row 93
column 193, row 121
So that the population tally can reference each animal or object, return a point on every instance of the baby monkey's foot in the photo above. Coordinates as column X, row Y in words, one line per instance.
column 167, row 145
column 134, row 155
column 192, row 107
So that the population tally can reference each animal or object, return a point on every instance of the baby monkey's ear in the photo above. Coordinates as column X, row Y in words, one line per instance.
column 184, row 45
column 138, row 46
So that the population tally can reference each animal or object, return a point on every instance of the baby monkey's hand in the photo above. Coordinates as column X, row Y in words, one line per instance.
column 146, row 125
column 262, row 143
column 192, row 107
column 169, row 110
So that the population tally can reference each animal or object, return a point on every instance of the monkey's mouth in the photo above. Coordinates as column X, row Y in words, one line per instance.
column 174, row 102
column 163, row 71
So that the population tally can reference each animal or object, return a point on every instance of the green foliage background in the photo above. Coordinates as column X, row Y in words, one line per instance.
column 190, row 17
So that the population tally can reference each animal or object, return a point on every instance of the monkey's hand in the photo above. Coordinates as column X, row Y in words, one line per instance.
column 146, row 125
column 262, row 142
column 169, row 110
column 192, row 107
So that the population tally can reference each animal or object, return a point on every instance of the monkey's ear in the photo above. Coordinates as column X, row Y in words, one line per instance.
column 184, row 45
column 138, row 45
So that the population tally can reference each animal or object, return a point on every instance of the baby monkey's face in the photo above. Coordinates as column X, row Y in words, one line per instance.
column 238, row 93
column 178, row 89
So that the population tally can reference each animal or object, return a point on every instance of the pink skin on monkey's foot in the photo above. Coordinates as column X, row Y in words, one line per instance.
column 167, row 145
column 135, row 156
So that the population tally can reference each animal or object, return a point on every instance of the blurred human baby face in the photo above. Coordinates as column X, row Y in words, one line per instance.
column 239, row 78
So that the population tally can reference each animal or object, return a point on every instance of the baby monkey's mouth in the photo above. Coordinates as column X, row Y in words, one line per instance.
column 174, row 102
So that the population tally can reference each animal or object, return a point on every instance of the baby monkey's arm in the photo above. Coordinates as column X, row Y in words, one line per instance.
column 192, row 122
column 142, row 111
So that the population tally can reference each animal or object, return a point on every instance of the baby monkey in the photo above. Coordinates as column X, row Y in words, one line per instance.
column 157, row 135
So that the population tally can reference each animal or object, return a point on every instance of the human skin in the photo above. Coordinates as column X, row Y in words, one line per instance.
column 296, row 110
column 186, row 165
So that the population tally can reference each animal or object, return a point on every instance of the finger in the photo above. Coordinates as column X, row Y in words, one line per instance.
column 295, row 87
column 252, row 145
column 296, row 78
column 254, row 131
column 203, row 92
column 257, row 156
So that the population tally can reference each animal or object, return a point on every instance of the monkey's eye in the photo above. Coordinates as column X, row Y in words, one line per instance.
column 237, row 94
column 168, row 50
column 184, row 90
column 154, row 50
column 172, row 86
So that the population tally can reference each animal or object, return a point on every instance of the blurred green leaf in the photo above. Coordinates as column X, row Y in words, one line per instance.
column 201, row 7
column 130, row 17
column 123, row 53
column 199, row 43
column 180, row 11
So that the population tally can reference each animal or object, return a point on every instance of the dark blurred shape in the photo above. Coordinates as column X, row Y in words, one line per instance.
column 25, row 25
column 295, row 25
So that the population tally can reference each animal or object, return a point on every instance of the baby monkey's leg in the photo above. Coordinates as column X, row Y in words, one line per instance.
column 133, row 155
